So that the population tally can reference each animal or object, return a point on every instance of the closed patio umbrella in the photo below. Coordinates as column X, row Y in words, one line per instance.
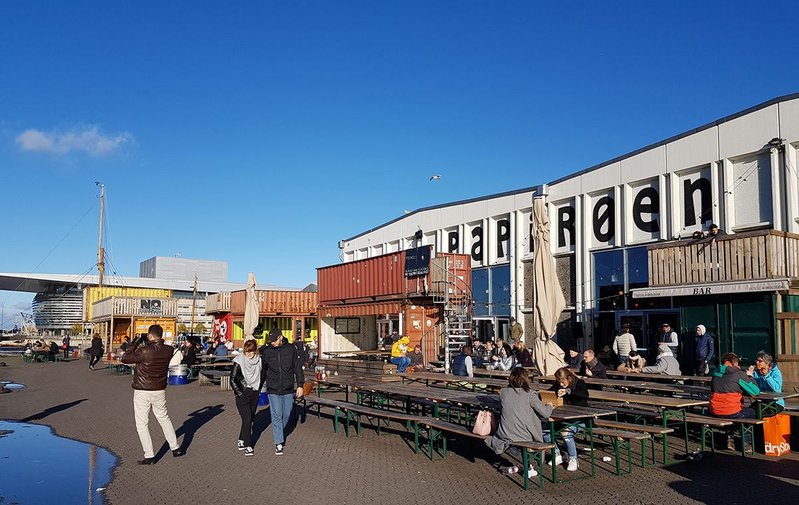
column 548, row 298
column 251, row 308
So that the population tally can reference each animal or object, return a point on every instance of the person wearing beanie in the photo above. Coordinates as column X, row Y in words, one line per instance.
column 666, row 363
column 283, row 380
column 704, row 350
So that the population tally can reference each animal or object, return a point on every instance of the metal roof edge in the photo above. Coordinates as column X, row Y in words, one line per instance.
column 448, row 204
column 674, row 138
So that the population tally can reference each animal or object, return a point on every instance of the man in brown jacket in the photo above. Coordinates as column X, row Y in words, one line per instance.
column 149, row 389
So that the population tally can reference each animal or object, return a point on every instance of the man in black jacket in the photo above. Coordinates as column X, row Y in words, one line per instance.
column 283, row 374
column 149, row 389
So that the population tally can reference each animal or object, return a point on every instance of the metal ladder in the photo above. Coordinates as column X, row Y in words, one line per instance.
column 456, row 302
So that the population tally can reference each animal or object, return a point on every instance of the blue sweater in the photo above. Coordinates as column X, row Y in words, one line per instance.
column 771, row 382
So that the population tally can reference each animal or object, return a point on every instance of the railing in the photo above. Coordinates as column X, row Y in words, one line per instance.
column 218, row 302
column 125, row 306
column 756, row 255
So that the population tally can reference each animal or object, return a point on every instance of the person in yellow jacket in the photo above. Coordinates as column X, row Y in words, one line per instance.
column 398, row 351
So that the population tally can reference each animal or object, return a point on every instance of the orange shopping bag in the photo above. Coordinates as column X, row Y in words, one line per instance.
column 777, row 435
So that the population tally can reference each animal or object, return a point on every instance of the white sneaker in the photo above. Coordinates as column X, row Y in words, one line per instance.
column 240, row 445
column 572, row 467
column 248, row 451
column 531, row 472
column 558, row 460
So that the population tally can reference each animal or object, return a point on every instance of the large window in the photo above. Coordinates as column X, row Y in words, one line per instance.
column 617, row 272
column 491, row 291
column 480, row 293
column 609, row 280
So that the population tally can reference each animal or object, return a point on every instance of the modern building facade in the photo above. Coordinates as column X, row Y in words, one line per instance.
column 608, row 221
column 175, row 268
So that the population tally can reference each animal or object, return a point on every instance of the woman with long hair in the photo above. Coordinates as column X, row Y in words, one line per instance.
column 246, row 380
column 520, row 419
column 574, row 391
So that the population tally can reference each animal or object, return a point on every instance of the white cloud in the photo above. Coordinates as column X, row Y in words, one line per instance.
column 89, row 139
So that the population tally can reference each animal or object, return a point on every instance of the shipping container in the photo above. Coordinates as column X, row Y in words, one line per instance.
column 94, row 294
column 383, row 278
column 276, row 303
column 422, row 328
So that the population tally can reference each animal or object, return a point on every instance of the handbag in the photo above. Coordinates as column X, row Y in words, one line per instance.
column 485, row 424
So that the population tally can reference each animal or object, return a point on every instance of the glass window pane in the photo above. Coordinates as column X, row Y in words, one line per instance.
column 480, row 292
column 500, row 290
column 609, row 280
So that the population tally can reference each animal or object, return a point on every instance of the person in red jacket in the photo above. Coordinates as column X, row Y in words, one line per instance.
column 727, row 387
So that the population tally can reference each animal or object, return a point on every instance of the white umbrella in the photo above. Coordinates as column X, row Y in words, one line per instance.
column 251, row 308
column 547, row 296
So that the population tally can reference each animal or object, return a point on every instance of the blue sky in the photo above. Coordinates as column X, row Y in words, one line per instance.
column 262, row 133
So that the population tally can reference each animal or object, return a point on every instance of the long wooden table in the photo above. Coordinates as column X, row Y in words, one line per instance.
column 659, row 377
column 460, row 382
column 563, row 417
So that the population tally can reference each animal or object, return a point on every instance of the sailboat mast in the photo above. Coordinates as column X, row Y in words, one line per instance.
column 100, row 250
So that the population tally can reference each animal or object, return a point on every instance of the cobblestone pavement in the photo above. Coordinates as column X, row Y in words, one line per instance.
column 321, row 467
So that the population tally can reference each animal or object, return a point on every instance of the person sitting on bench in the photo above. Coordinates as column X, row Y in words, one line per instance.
column 574, row 391
column 462, row 363
column 666, row 363
column 727, row 386
column 767, row 375
column 591, row 366
column 399, row 349
column 635, row 362
column 520, row 417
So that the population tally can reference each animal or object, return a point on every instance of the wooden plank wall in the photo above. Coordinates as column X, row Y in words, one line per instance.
column 745, row 256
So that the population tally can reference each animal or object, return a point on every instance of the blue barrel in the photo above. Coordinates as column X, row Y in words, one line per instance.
column 178, row 375
column 263, row 400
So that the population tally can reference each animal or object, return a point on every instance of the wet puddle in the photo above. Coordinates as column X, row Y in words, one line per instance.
column 39, row 467
column 6, row 386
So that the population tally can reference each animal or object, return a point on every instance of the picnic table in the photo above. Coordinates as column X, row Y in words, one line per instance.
column 658, row 387
column 459, row 381
column 562, row 418
column 487, row 372
column 659, row 377
column 669, row 407
column 373, row 354
column 116, row 367
column 212, row 376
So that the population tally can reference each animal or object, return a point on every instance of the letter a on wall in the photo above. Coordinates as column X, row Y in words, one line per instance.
column 477, row 245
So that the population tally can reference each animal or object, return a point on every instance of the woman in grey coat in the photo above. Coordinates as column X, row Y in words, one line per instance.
column 520, row 419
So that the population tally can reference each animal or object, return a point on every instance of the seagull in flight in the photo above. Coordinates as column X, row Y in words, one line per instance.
column 435, row 178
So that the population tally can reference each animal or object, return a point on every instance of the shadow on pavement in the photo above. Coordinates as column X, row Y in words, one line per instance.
column 191, row 426
column 52, row 410
column 733, row 479
column 262, row 420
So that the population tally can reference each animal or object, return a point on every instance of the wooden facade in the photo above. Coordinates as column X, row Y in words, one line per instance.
column 755, row 255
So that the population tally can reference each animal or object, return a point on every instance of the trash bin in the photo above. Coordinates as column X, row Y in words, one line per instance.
column 178, row 375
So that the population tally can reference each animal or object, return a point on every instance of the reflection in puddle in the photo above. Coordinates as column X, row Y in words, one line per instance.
column 42, row 468
column 10, row 386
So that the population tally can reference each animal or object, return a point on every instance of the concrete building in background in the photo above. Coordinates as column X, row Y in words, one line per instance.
column 625, row 234
column 173, row 268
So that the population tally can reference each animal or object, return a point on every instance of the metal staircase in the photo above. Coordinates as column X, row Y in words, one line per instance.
column 455, row 296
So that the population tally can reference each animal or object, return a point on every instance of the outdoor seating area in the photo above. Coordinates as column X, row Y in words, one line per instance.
column 638, row 423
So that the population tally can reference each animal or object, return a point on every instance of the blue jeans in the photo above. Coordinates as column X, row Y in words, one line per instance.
column 567, row 435
column 402, row 363
column 280, row 407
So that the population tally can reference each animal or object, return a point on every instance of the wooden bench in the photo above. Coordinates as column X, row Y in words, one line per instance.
column 354, row 411
column 709, row 423
column 652, row 430
column 357, row 367
column 437, row 428
column 211, row 376
column 622, row 439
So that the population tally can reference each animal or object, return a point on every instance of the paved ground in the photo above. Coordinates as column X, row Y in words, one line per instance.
column 321, row 467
